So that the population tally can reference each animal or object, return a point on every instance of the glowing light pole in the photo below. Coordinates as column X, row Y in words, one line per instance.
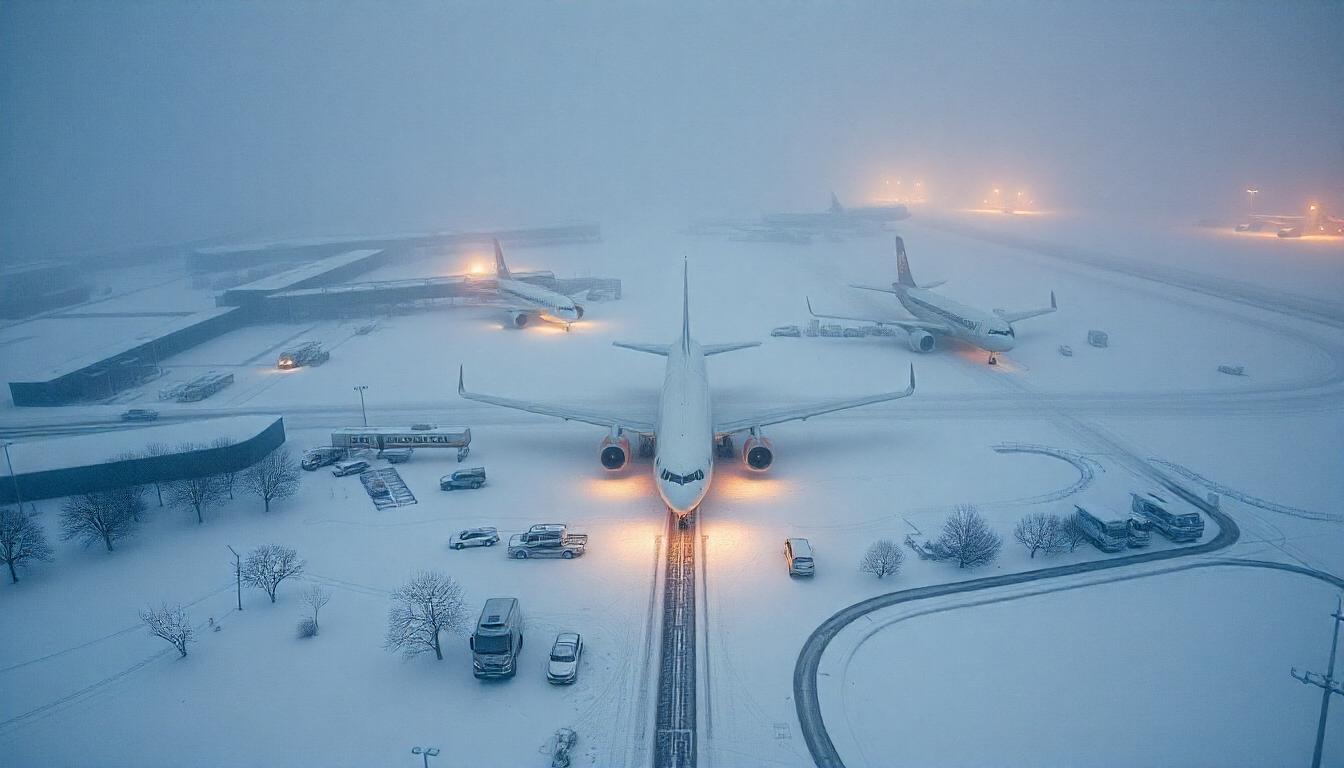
column 360, row 389
column 1251, row 192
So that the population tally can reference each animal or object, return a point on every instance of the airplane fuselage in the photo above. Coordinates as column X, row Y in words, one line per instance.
column 683, row 463
column 547, row 304
column 986, row 331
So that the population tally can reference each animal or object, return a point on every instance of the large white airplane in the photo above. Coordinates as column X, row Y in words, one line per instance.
column 523, row 300
column 686, row 430
column 938, row 315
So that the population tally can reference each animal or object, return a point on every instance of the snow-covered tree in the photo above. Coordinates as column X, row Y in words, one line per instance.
column 105, row 516
column 21, row 540
column 226, row 479
column 1071, row 533
column 196, row 492
column 968, row 539
column 883, row 558
column 1041, row 532
column 315, row 597
column 423, row 607
column 267, row 566
column 170, row 623
column 274, row 477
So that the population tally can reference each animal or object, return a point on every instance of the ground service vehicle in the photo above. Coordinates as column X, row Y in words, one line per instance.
column 498, row 638
column 1107, row 531
column 301, row 354
column 1139, row 531
column 547, row 540
column 787, row 330
column 1182, row 528
column 343, row 468
column 474, row 537
column 139, row 414
column 321, row 457
column 563, row 666
column 798, row 554
column 396, row 455
column 853, row 333
column 463, row 478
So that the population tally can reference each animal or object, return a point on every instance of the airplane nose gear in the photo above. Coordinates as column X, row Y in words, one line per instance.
column 992, row 359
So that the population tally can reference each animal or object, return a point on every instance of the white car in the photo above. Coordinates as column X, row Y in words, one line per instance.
column 474, row 537
column 343, row 468
column 563, row 666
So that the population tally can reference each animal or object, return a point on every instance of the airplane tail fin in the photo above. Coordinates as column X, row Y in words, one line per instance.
column 685, row 306
column 836, row 207
column 903, row 265
column 501, row 269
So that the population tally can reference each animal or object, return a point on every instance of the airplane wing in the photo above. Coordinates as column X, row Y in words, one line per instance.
column 600, row 417
column 1013, row 317
column 745, row 421
column 909, row 325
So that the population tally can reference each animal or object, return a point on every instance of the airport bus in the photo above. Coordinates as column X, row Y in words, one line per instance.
column 1180, row 528
column 1106, row 530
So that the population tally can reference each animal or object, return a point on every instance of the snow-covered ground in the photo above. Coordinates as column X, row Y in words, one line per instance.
column 85, row 670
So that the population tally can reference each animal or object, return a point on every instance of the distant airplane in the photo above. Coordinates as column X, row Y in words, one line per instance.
column 938, row 315
column 523, row 300
column 686, row 432
column 1314, row 222
column 838, row 219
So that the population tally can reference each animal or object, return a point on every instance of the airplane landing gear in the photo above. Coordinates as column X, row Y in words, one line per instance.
column 725, row 447
column 992, row 359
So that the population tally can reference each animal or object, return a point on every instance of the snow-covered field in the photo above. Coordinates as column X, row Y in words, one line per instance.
column 84, row 684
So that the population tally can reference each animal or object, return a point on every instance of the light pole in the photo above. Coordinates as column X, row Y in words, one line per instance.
column 17, row 498
column 1327, row 683
column 237, row 574
column 1251, row 192
column 426, row 753
column 360, row 389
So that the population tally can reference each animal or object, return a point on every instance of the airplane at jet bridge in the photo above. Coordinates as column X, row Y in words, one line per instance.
column 688, row 431
column 524, row 301
column 935, row 315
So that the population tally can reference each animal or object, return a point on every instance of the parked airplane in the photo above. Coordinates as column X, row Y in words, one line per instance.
column 939, row 315
column 1315, row 222
column 686, row 432
column 523, row 300
column 838, row 219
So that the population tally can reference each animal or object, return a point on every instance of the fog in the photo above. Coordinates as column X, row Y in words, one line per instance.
column 159, row 122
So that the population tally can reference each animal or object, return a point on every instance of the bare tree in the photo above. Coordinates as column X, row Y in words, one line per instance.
column 274, row 477
column 1071, row 533
column 423, row 607
column 269, row 565
column 315, row 597
column 968, row 539
column 106, row 516
column 883, row 558
column 158, row 449
column 171, row 624
column 1040, row 532
column 21, row 539
column 196, row 492
column 226, row 479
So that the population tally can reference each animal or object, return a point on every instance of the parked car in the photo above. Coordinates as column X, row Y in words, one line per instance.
column 563, row 667
column 853, row 333
column 140, row 414
column 787, row 330
column 343, row 468
column 798, row 555
column 321, row 457
column 474, row 537
column 396, row 455
column 1066, row 350
column 463, row 478
column 831, row 330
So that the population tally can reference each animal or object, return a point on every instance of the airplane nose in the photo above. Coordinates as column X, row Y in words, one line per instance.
column 682, row 498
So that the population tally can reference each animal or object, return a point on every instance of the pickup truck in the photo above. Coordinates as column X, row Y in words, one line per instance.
column 547, row 540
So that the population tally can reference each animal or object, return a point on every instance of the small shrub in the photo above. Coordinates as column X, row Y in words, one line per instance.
column 307, row 627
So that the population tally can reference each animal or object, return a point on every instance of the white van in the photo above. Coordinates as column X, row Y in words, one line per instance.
column 798, row 555
column 343, row 468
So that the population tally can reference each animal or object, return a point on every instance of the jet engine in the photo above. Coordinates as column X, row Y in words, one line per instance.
column 519, row 319
column 758, row 453
column 614, row 452
column 921, row 341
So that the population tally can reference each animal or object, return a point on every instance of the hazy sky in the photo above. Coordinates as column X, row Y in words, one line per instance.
column 134, row 122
